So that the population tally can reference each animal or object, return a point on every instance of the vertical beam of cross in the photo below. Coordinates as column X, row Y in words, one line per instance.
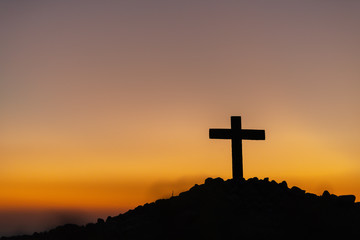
column 237, row 134
column 236, row 148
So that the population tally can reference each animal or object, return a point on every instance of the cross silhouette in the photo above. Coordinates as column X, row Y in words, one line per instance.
column 236, row 134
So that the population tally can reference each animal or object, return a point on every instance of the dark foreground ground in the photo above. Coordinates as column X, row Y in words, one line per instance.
column 218, row 209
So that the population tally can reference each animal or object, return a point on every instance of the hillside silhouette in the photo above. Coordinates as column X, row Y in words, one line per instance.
column 218, row 209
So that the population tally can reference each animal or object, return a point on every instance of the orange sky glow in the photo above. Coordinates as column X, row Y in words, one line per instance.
column 106, row 105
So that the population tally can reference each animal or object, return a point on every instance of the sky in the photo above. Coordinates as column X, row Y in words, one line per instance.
column 105, row 105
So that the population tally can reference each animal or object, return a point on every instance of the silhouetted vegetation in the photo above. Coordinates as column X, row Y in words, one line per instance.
column 218, row 209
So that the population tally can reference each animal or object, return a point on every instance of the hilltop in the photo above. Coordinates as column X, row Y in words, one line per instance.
column 218, row 209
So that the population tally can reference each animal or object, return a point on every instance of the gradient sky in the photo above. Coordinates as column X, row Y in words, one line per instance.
column 105, row 105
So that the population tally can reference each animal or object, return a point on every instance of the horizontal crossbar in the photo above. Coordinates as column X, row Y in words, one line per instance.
column 249, row 134
column 252, row 134
column 220, row 133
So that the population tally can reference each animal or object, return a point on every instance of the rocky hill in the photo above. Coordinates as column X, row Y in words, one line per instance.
column 218, row 209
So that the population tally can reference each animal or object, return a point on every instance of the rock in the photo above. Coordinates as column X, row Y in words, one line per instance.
column 253, row 180
column 218, row 180
column 208, row 180
column 283, row 184
column 212, row 181
column 325, row 194
column 347, row 199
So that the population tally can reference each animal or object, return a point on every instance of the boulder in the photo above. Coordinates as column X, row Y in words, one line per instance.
column 347, row 199
column 100, row 221
column 325, row 194
column 283, row 184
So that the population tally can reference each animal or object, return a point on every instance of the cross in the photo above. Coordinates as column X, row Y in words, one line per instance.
column 236, row 134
